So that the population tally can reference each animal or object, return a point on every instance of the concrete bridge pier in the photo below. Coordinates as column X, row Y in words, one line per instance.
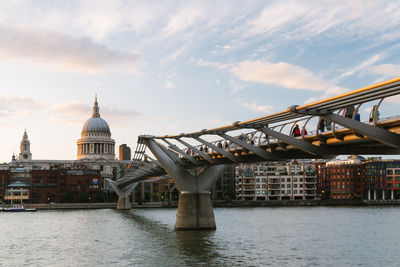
column 195, row 210
column 124, row 203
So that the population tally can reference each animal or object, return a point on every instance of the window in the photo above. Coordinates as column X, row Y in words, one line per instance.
column 298, row 167
column 288, row 191
column 287, row 179
column 288, row 186
column 263, row 192
column 301, row 191
column 293, row 168
column 294, row 179
column 301, row 179
column 283, row 185
column 295, row 191
column 283, row 191
column 258, row 192
column 295, row 185
column 301, row 185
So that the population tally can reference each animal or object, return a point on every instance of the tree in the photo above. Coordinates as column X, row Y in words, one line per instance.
column 67, row 196
column 83, row 197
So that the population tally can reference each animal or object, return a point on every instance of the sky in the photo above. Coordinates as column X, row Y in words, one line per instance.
column 167, row 67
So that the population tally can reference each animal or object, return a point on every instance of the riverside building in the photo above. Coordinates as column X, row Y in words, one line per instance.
column 275, row 181
column 341, row 179
column 382, row 179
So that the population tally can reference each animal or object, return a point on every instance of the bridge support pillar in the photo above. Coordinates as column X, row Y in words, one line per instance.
column 124, row 203
column 195, row 212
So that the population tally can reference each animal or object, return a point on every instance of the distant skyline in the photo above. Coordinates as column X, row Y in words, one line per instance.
column 166, row 67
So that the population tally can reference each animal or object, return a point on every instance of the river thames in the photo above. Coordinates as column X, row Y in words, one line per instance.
column 284, row 236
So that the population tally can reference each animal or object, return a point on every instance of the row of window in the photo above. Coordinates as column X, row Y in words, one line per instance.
column 283, row 192
column 276, row 180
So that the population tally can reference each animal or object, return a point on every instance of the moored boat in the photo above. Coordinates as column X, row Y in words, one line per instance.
column 18, row 209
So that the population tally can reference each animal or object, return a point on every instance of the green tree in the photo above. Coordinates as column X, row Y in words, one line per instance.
column 83, row 197
column 67, row 196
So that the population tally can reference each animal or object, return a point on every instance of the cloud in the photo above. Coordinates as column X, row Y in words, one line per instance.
column 387, row 70
column 303, row 20
column 169, row 85
column 77, row 113
column 12, row 106
column 254, row 106
column 64, row 51
column 362, row 66
column 283, row 74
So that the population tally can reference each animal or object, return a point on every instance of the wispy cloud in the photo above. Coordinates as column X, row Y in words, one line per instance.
column 77, row 113
column 363, row 66
column 64, row 51
column 283, row 74
column 13, row 106
column 254, row 106
column 169, row 85
column 386, row 70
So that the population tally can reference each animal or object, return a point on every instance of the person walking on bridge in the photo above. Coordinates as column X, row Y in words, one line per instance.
column 296, row 131
column 374, row 114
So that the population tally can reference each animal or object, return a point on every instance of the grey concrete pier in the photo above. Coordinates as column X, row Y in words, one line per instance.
column 195, row 212
column 124, row 203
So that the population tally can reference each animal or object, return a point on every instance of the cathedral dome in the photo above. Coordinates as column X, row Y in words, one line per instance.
column 96, row 124
column 95, row 141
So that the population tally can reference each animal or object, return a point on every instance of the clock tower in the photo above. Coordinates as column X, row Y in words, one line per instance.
column 25, row 149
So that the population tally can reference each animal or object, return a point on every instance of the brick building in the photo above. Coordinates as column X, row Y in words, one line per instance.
column 19, row 186
column 341, row 179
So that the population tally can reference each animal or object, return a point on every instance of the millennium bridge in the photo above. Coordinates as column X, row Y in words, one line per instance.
column 195, row 160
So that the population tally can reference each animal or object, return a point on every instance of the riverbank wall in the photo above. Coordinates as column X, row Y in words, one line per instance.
column 220, row 203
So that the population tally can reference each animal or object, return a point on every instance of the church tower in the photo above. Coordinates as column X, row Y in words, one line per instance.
column 25, row 149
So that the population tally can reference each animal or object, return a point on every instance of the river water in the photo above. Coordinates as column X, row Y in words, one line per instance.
column 292, row 236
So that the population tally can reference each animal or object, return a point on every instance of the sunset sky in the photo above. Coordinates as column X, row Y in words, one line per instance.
column 167, row 67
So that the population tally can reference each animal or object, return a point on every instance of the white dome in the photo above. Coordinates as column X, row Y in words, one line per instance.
column 96, row 125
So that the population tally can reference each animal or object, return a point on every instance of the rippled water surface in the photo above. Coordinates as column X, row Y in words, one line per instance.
column 295, row 236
